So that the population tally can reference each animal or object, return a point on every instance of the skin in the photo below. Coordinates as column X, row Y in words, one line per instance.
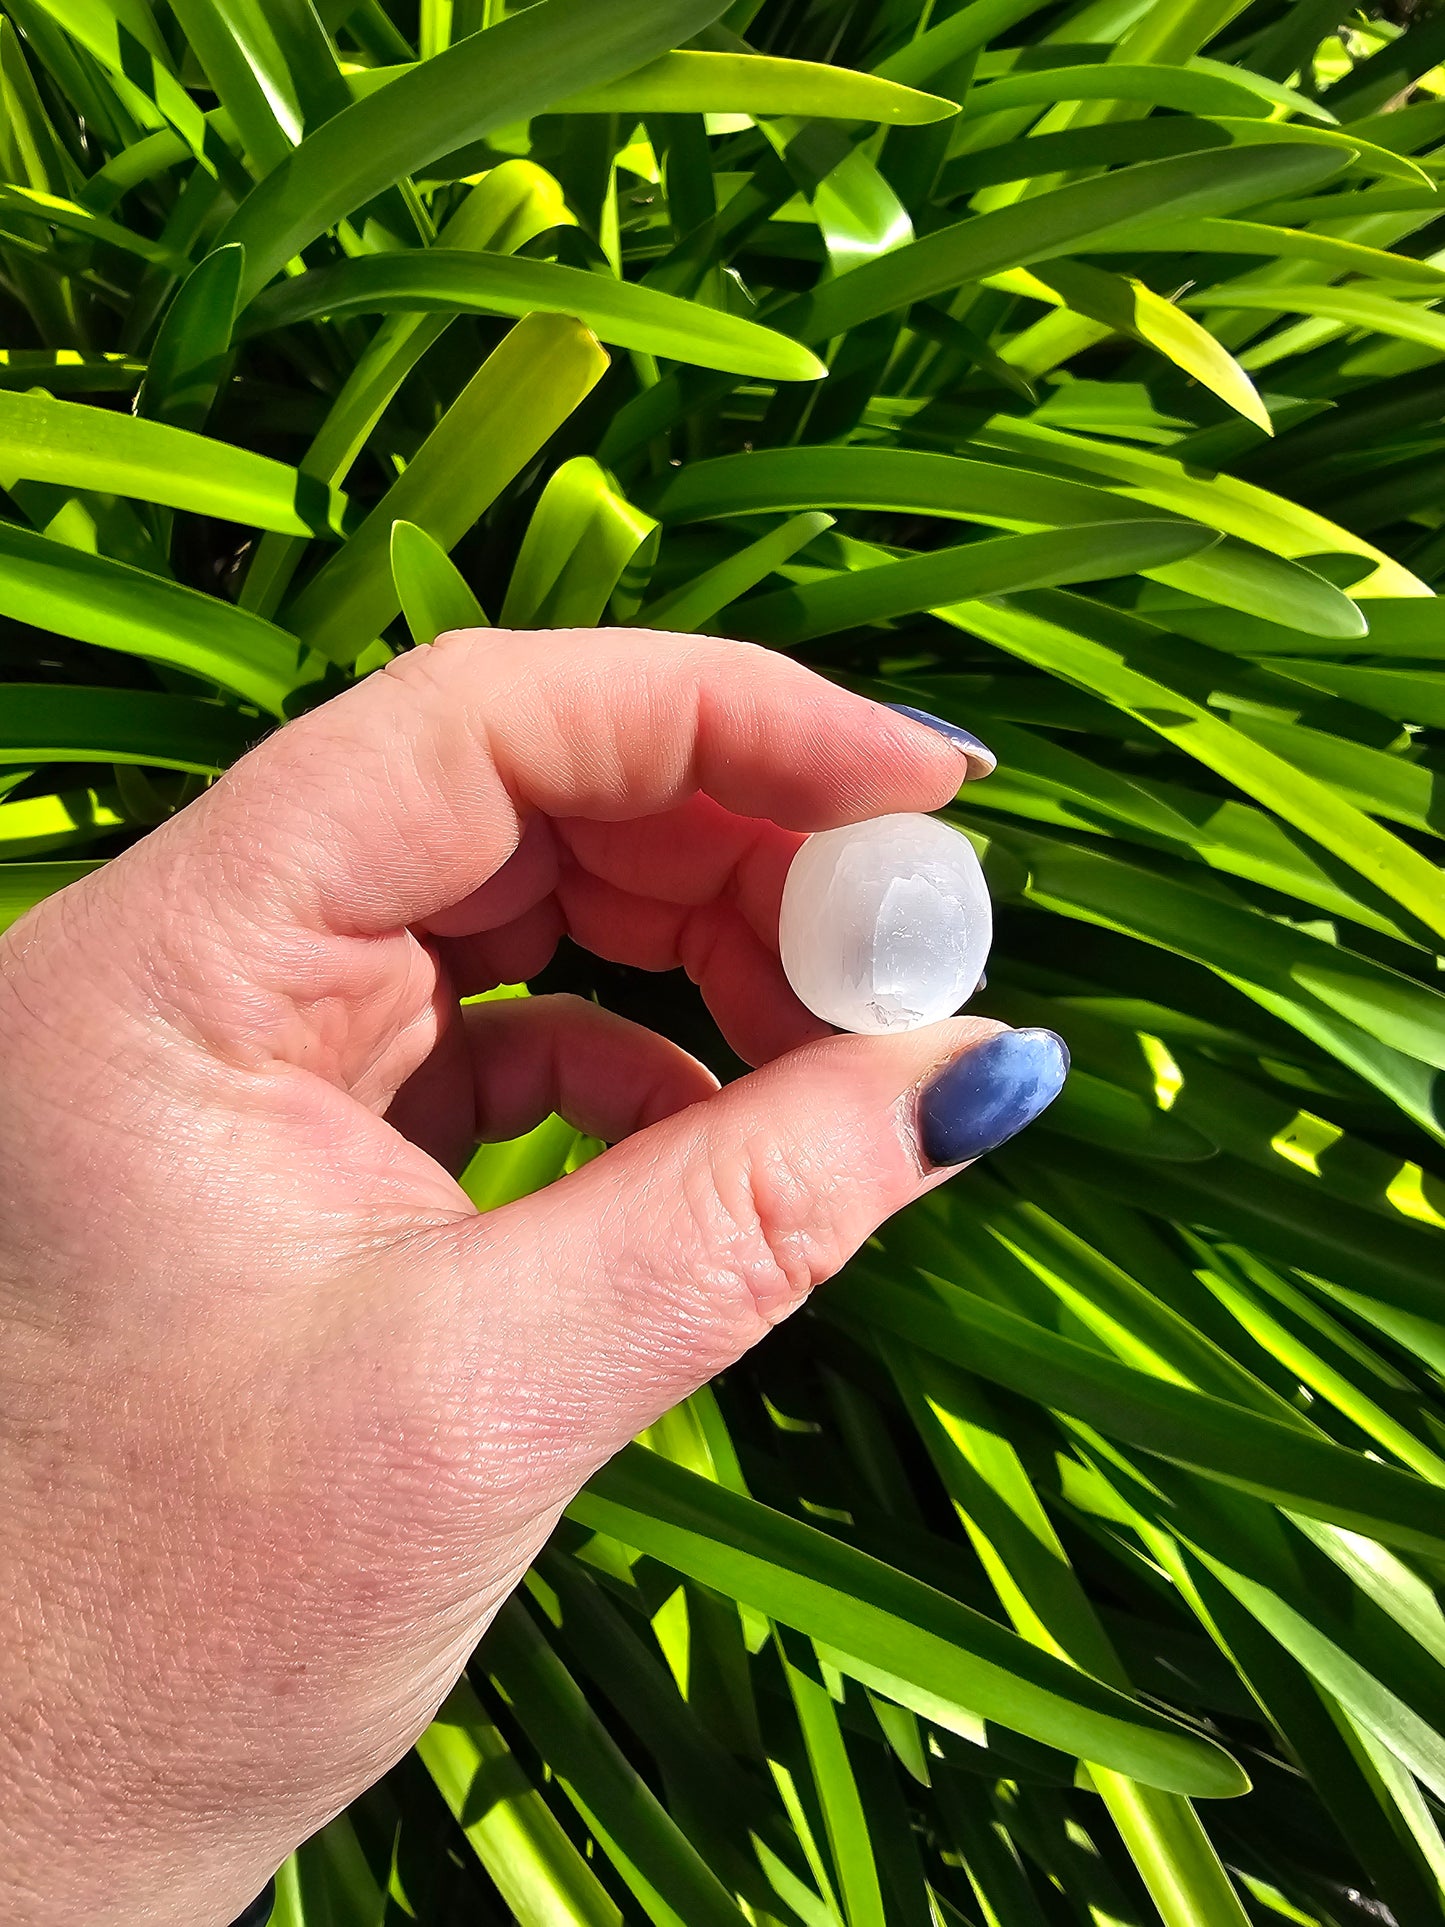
column 282, row 1418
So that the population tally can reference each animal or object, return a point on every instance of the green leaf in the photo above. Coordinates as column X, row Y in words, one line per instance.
column 1372, row 779
column 1012, row 492
column 78, row 446
column 620, row 312
column 1129, row 307
column 135, row 56
column 521, row 394
column 913, row 1644
column 1334, row 1666
column 67, row 369
column 1379, row 1264
column 899, row 588
column 1132, row 670
column 1382, row 1024
column 844, row 1816
column 1214, row 1436
column 653, row 1856
column 188, row 356
column 1309, row 1721
column 34, row 205
column 1400, row 319
column 327, row 1879
column 1406, row 694
column 56, row 723
column 1186, row 90
column 541, row 1876
column 501, row 1173
column 490, row 80
column 23, row 885
column 31, row 149
column 432, row 591
column 1349, row 148
column 725, row 83
column 1285, row 1341
column 1060, row 222
column 754, row 84
column 1029, row 1567
column 1221, row 236
column 582, row 536
column 117, row 607
column 242, row 60
column 947, row 42
column 1278, row 529
column 513, row 204
column 858, row 214
column 698, row 601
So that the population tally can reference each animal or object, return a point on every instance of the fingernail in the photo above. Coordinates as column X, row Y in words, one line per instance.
column 989, row 1093
column 978, row 752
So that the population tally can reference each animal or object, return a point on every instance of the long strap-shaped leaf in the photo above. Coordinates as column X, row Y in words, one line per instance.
column 53, row 723
column 1382, row 1024
column 69, row 442
column 491, row 79
column 582, row 539
column 1129, row 307
column 1393, row 1267
column 1134, row 677
column 1218, row 235
column 922, row 482
column 725, row 83
column 540, row 1874
column 1003, row 565
column 433, row 595
column 1211, row 1435
column 1239, row 508
column 444, row 281
column 1187, row 91
column 141, row 75
column 1056, row 223
column 892, row 1631
column 1352, row 306
column 96, row 600
column 652, row 1854
column 1030, row 1570
column 523, row 391
column 514, row 202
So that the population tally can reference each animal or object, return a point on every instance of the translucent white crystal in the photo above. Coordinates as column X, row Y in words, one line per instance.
column 885, row 925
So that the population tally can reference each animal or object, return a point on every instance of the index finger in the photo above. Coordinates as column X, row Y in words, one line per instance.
column 399, row 797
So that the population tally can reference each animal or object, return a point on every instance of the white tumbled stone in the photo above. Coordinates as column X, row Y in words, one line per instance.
column 885, row 925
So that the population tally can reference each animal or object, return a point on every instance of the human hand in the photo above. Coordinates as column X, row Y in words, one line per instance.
column 282, row 1417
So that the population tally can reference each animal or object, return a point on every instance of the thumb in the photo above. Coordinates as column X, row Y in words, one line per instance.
column 620, row 1289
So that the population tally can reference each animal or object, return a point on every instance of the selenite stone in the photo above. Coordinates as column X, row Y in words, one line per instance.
column 885, row 925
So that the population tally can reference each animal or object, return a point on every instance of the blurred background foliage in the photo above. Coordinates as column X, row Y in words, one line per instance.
column 1077, row 1558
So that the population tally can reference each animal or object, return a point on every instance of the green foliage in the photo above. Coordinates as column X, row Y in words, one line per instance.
column 1073, row 368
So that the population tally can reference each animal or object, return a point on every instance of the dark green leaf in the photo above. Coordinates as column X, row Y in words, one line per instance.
column 516, row 69
column 914, row 1644
column 439, row 281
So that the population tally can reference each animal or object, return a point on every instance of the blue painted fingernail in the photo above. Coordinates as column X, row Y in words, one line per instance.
column 978, row 752
column 989, row 1093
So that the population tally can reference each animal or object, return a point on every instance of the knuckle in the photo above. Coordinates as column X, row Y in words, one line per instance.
column 427, row 665
column 775, row 1227
column 566, row 1006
